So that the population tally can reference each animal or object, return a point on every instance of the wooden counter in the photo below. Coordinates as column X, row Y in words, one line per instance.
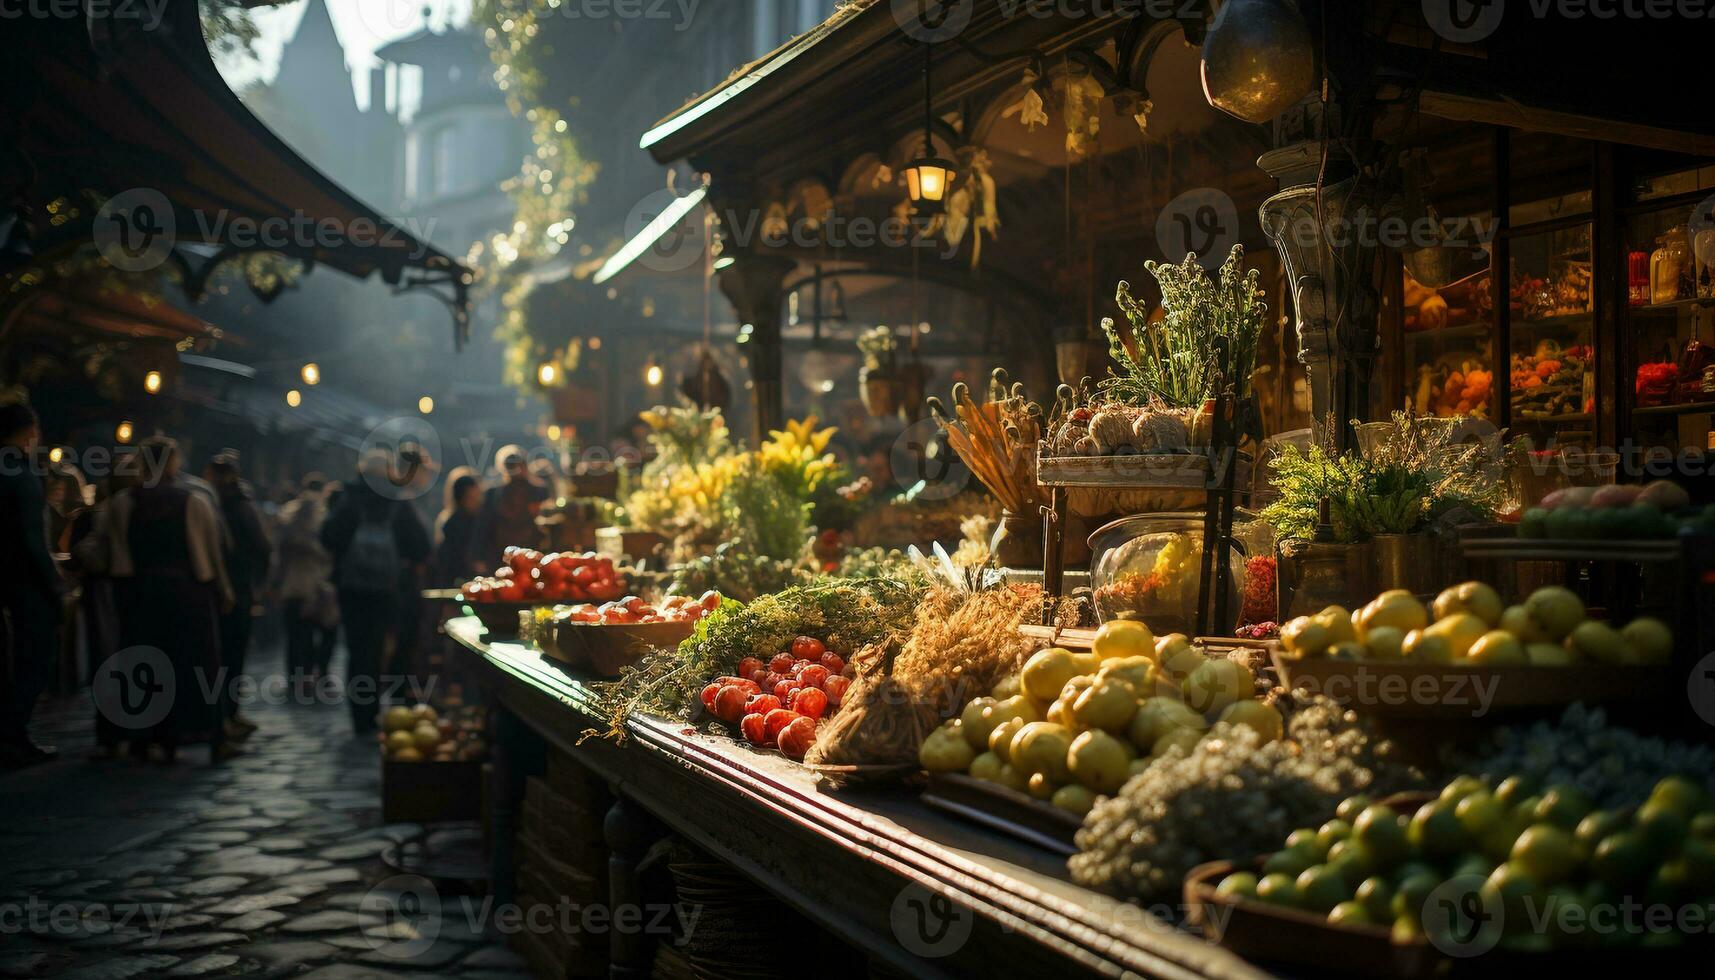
column 923, row 892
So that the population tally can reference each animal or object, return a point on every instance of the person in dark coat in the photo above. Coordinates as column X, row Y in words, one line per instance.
column 455, row 532
column 30, row 585
column 167, row 559
column 373, row 535
column 248, row 553
column 508, row 515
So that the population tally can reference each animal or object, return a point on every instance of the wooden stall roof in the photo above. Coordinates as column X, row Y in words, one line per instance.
column 104, row 105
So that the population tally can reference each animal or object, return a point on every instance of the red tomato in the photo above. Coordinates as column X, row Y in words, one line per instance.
column 743, row 682
column 749, row 664
column 583, row 575
column 761, row 704
column 503, row 573
column 754, row 729
column 770, row 679
column 729, row 703
column 710, row 600
column 777, row 719
column 797, row 737
column 783, row 689
column 835, row 688
column 708, row 696
column 810, row 702
column 782, row 663
column 759, row 675
column 815, row 675
column 832, row 661
column 807, row 648
column 604, row 590
column 634, row 603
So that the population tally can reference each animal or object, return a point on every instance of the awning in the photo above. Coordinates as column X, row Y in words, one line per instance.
column 113, row 312
column 650, row 235
column 94, row 108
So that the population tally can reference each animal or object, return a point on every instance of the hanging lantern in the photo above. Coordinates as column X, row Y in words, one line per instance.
column 928, row 177
column 1258, row 59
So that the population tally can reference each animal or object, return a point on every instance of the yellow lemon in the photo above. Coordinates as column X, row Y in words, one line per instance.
column 1041, row 746
column 1475, row 598
column 1648, row 641
column 1047, row 671
column 1462, row 629
column 1598, row 641
column 1385, row 642
column 1177, row 657
column 1108, row 703
column 1339, row 624
column 1073, row 798
column 1426, row 647
column 1306, row 637
column 1498, row 648
column 1100, row 761
column 1397, row 608
column 1259, row 717
column 1159, row 716
column 1516, row 620
column 1557, row 609
column 1123, row 638
column 1548, row 655
column 1184, row 738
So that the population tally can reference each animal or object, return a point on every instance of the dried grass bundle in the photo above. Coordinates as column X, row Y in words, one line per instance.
column 963, row 643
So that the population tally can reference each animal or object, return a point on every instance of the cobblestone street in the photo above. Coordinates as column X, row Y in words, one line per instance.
column 256, row 867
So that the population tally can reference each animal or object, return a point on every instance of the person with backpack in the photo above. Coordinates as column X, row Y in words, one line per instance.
column 373, row 535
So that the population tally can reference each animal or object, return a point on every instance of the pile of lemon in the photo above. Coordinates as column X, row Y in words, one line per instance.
column 1070, row 726
column 1468, row 624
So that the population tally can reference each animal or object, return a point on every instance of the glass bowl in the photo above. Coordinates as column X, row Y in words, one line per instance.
column 1146, row 567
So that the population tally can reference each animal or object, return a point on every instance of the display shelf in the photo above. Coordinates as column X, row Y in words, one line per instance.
column 1674, row 307
column 1460, row 332
column 1684, row 408
column 1559, row 322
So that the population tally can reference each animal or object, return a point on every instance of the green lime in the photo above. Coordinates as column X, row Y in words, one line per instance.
column 1547, row 853
column 1382, row 833
column 1663, row 827
column 1703, row 826
column 1305, row 840
column 1332, row 833
column 1597, row 825
column 1350, row 807
column 1321, row 888
column 1562, row 806
column 1278, row 889
column 1413, row 868
column 1680, row 794
column 1348, row 914
column 1526, row 808
column 1621, row 859
column 1513, row 789
column 1376, row 896
column 1534, row 523
column 1239, row 884
column 1472, row 865
column 1497, row 842
column 1291, row 862
column 1435, row 832
column 1511, row 889
column 1461, row 787
column 1478, row 812
column 1412, row 892
column 1699, row 858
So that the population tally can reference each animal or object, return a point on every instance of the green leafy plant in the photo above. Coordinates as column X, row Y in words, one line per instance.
column 762, row 513
column 1206, row 336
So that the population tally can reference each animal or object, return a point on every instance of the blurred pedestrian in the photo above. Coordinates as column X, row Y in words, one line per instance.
column 455, row 531
column 374, row 536
column 303, row 582
column 90, row 557
column 68, row 512
column 169, row 568
column 248, row 553
column 30, row 584
column 508, row 515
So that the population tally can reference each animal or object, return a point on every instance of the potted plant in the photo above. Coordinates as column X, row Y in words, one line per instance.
column 878, row 380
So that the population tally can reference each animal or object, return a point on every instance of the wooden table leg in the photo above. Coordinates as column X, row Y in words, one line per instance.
column 630, row 831
column 505, row 800
column 1053, row 552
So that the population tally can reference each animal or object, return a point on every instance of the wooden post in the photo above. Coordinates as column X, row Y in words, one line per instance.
column 629, row 831
column 753, row 283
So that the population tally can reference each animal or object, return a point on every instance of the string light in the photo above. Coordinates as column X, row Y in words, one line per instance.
column 294, row 398
column 152, row 382
column 124, row 433
column 426, row 405
column 312, row 374
column 652, row 375
column 547, row 374
column 56, row 454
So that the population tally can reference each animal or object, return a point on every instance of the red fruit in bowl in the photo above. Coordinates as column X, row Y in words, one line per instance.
column 770, row 679
column 729, row 703
column 835, row 688
column 749, row 665
column 783, row 689
column 755, row 732
column 777, row 719
column 797, row 737
column 810, row 702
column 832, row 661
column 708, row 696
column 807, row 648
column 760, row 676
column 782, row 663
column 744, row 682
column 815, row 675
column 761, row 704
column 710, row 600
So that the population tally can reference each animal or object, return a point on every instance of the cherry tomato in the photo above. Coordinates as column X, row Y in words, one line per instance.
column 761, row 704
column 729, row 703
column 810, row 702
column 833, row 662
column 749, row 664
column 782, row 663
column 815, row 675
column 760, row 676
column 797, row 737
column 710, row 600
column 754, row 728
column 708, row 696
column 807, row 648
column 777, row 719
column 783, row 689
column 583, row 575
column 835, row 688
column 743, row 682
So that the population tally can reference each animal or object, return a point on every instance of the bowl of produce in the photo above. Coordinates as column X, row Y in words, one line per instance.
column 778, row 704
column 603, row 640
column 1467, row 654
column 531, row 578
column 1149, row 567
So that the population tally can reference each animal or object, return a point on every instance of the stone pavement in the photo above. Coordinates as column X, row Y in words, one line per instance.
column 264, row 866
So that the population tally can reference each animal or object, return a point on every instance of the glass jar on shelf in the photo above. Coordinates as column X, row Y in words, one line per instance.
column 1703, row 255
column 1448, row 336
column 1668, row 268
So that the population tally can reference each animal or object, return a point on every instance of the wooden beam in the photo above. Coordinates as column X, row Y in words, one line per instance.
column 1498, row 111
